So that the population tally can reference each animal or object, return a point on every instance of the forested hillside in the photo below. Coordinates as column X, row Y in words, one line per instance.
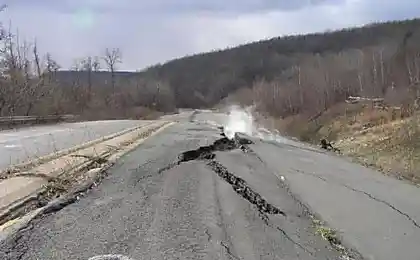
column 312, row 71
column 284, row 76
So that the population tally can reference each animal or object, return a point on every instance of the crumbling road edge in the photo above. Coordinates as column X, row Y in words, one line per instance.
column 95, row 175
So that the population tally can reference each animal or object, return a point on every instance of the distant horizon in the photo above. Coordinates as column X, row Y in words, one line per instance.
column 247, row 43
column 155, row 32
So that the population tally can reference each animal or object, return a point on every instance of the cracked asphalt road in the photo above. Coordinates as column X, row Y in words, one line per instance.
column 150, row 207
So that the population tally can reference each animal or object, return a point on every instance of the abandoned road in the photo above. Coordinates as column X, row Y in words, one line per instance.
column 189, row 193
column 19, row 145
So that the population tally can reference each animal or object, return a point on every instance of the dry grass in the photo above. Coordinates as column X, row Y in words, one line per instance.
column 392, row 147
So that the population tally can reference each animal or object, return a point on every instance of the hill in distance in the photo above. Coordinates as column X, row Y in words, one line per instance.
column 213, row 76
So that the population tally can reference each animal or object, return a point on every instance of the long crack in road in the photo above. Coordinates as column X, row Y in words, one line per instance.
column 238, row 184
column 209, row 201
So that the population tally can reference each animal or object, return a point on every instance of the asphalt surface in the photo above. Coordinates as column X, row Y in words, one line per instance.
column 376, row 214
column 23, row 144
column 150, row 208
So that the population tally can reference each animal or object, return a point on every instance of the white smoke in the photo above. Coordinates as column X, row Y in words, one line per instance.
column 241, row 120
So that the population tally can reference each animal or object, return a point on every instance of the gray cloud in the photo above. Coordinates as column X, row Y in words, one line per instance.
column 170, row 6
column 152, row 31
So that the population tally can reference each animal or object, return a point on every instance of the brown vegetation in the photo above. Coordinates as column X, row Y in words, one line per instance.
column 312, row 71
column 34, row 84
column 287, row 76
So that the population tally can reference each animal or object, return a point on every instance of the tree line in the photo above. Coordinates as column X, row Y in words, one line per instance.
column 284, row 76
column 32, row 83
column 304, row 73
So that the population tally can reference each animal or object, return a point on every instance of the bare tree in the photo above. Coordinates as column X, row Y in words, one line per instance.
column 112, row 58
column 90, row 65
column 37, row 60
column 51, row 65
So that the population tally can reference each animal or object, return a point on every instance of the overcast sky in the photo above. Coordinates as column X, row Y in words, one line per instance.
column 154, row 31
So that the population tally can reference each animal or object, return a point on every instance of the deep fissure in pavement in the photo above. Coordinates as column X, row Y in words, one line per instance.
column 238, row 184
column 242, row 188
column 207, row 152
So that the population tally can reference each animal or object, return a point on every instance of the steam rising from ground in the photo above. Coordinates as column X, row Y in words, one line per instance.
column 241, row 120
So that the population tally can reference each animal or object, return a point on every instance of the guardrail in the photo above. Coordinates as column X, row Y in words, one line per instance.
column 10, row 121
